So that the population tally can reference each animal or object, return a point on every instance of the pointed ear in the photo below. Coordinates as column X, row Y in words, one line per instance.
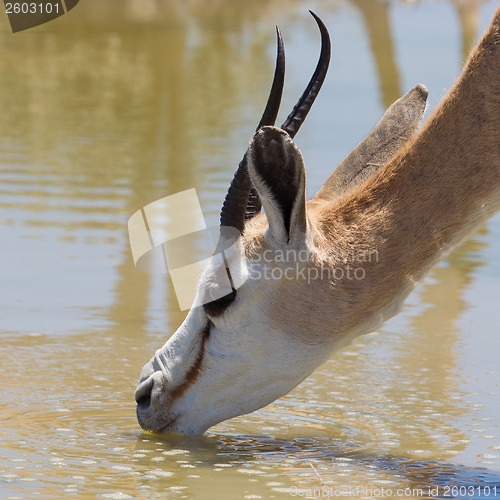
column 397, row 126
column 276, row 169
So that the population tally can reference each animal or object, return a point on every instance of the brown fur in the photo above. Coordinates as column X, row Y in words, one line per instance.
column 427, row 199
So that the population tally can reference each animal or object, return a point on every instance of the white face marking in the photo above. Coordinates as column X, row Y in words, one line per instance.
column 246, row 363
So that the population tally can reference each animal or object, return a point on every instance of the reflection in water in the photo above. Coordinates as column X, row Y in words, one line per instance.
column 468, row 13
column 118, row 104
column 376, row 19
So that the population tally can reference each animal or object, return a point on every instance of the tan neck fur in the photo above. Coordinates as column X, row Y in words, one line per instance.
column 432, row 194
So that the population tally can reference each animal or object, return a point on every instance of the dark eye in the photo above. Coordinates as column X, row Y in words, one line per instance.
column 218, row 306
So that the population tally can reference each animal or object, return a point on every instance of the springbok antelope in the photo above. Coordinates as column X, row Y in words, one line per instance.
column 392, row 209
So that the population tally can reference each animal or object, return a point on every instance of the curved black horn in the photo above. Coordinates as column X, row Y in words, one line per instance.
column 242, row 201
column 274, row 99
column 300, row 110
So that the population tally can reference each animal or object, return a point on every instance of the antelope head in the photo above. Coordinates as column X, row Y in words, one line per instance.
column 284, row 302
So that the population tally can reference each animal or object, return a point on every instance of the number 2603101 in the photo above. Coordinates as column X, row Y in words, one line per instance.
column 31, row 8
column 471, row 491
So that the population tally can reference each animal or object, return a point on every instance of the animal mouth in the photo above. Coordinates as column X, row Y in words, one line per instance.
column 144, row 409
column 169, row 424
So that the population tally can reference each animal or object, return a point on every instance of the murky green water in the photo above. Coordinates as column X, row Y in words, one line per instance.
column 119, row 103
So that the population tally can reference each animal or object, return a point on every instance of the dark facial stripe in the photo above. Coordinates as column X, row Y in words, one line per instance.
column 195, row 369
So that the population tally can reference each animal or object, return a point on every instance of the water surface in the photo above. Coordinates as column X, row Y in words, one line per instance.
column 120, row 103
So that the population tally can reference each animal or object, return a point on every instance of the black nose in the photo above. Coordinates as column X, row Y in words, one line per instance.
column 143, row 393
